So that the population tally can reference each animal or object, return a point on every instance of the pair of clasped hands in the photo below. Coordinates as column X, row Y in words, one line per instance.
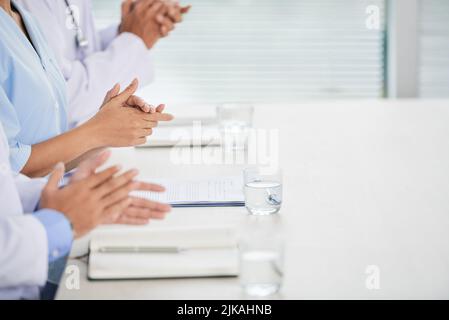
column 93, row 198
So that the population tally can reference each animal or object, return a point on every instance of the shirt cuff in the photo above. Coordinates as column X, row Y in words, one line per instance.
column 135, row 42
column 19, row 155
column 141, row 63
column 59, row 233
column 108, row 35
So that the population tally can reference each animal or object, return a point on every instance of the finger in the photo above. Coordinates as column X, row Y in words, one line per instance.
column 160, row 108
column 185, row 9
column 163, row 32
column 155, row 8
column 155, row 117
column 127, row 93
column 101, row 177
column 146, row 132
column 145, row 186
column 160, row 17
column 117, row 183
column 149, row 126
column 55, row 177
column 143, row 5
column 132, row 221
column 174, row 13
column 140, row 141
column 112, row 93
column 88, row 167
column 119, row 194
column 143, row 213
column 146, row 108
column 152, row 109
column 113, row 213
column 151, row 205
column 138, row 102
column 152, row 11
column 135, row 101
column 166, row 27
column 126, row 7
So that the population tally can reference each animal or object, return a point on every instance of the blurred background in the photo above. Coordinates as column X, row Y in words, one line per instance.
column 284, row 51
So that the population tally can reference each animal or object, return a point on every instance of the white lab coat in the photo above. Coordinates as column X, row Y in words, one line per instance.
column 109, row 59
column 23, row 239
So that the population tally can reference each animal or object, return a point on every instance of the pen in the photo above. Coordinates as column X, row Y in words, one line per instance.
column 158, row 249
column 139, row 250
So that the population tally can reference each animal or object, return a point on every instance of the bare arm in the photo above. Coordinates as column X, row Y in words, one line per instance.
column 64, row 148
column 115, row 125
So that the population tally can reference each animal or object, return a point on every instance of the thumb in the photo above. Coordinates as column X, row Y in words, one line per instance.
column 186, row 9
column 160, row 108
column 128, row 92
column 55, row 177
column 112, row 93
column 126, row 7
column 88, row 166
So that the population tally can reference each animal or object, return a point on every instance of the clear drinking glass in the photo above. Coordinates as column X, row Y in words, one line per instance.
column 263, row 191
column 261, row 263
column 235, row 120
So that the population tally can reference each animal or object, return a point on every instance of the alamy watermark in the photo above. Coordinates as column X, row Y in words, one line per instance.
column 253, row 147
column 372, row 281
column 73, row 278
column 372, row 21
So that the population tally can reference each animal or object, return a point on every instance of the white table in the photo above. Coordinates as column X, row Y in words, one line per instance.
column 365, row 183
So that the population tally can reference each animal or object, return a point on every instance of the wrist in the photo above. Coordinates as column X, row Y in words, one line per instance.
column 91, row 134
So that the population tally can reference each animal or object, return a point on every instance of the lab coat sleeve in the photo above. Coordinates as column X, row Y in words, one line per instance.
column 23, row 252
column 19, row 153
column 30, row 191
column 108, row 35
column 88, row 80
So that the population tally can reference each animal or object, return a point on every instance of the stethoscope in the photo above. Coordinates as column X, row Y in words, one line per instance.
column 81, row 40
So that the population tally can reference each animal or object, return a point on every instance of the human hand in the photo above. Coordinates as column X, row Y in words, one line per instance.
column 139, row 211
column 138, row 18
column 118, row 125
column 91, row 201
column 89, row 166
column 171, row 14
column 132, row 102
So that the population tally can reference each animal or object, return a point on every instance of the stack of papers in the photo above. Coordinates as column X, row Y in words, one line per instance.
column 139, row 253
column 216, row 192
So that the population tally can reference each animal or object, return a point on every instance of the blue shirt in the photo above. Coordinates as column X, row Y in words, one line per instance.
column 59, row 233
column 33, row 98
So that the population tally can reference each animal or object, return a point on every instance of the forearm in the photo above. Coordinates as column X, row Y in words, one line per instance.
column 64, row 148
column 73, row 164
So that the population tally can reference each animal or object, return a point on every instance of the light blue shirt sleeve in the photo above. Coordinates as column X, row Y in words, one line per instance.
column 19, row 153
column 59, row 233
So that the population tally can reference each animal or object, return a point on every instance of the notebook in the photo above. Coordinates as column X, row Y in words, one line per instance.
column 203, row 252
column 214, row 192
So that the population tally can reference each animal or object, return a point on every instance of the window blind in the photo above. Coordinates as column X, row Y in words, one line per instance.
column 267, row 51
column 434, row 49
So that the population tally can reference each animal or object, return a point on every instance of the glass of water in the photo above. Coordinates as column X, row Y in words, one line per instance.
column 261, row 263
column 263, row 190
column 235, row 120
